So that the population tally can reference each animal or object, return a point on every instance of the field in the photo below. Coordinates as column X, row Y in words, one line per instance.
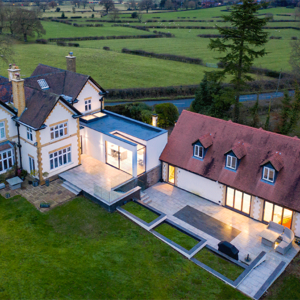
column 113, row 69
column 80, row 251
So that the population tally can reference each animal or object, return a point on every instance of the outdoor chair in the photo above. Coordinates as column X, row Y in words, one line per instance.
column 275, row 227
column 287, row 241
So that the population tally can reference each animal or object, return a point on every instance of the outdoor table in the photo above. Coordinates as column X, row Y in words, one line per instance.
column 14, row 183
column 269, row 237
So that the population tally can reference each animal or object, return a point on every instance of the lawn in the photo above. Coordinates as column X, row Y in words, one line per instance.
column 176, row 236
column 219, row 264
column 110, row 69
column 287, row 285
column 140, row 211
column 80, row 251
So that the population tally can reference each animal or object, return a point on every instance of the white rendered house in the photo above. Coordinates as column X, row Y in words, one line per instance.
column 47, row 121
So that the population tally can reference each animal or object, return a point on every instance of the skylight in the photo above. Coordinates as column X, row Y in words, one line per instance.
column 43, row 84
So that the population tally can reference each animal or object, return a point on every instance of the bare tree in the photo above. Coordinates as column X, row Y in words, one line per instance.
column 131, row 4
column 114, row 14
column 108, row 5
column 146, row 5
column 11, row 18
column 92, row 7
column 2, row 16
column 52, row 4
column 43, row 6
column 84, row 3
column 6, row 50
column 139, row 16
column 28, row 23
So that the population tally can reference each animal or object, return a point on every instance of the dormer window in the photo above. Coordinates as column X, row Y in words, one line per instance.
column 231, row 162
column 268, row 174
column 198, row 151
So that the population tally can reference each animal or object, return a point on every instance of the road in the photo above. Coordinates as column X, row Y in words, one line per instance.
column 185, row 103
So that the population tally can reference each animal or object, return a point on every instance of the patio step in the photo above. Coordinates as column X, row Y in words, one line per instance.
column 71, row 187
column 145, row 198
column 148, row 202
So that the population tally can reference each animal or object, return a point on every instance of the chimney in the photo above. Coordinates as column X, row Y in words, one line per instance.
column 18, row 93
column 71, row 62
column 13, row 69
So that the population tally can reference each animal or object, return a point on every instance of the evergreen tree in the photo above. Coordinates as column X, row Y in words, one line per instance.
column 254, row 113
column 239, row 43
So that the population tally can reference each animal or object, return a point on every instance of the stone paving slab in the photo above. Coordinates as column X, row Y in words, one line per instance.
column 169, row 200
column 55, row 194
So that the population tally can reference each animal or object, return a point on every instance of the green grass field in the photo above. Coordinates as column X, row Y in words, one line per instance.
column 116, row 70
column 80, row 251
column 176, row 236
column 141, row 212
column 219, row 264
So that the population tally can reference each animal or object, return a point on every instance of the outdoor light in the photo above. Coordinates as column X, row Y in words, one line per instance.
column 154, row 120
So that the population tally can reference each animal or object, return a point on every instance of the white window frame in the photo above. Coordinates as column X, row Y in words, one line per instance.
column 58, row 131
column 5, row 156
column 29, row 134
column 2, row 130
column 88, row 105
column 229, row 160
column 269, row 170
column 60, row 158
column 31, row 164
column 197, row 149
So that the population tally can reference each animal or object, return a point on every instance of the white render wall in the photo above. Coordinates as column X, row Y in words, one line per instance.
column 89, row 91
column 200, row 186
column 296, row 222
column 154, row 148
column 94, row 145
column 11, row 125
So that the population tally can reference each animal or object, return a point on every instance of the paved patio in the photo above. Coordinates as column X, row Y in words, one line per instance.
column 96, row 177
column 55, row 194
column 169, row 200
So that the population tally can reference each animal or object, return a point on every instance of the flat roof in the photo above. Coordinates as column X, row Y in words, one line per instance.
column 114, row 122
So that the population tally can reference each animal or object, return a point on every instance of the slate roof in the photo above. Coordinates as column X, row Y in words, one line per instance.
column 5, row 89
column 39, row 105
column 260, row 147
column 60, row 81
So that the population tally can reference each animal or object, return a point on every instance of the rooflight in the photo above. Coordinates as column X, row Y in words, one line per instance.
column 43, row 84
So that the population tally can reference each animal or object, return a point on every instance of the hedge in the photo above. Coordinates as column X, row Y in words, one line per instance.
column 189, row 90
column 91, row 38
column 196, row 61
column 275, row 37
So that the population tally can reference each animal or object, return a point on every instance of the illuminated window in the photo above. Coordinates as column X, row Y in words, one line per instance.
column 238, row 200
column 277, row 214
column 198, row 151
column 231, row 162
column 268, row 174
column 59, row 130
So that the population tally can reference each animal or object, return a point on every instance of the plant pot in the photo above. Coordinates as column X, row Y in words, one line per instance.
column 35, row 183
column 29, row 181
column 47, row 182
column 44, row 205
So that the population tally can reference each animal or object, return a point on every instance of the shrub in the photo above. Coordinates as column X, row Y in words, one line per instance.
column 73, row 44
column 134, row 15
column 92, row 16
column 41, row 41
column 275, row 37
column 167, row 114
column 294, row 38
column 60, row 43
column 106, row 48
column 62, row 15
column 57, row 9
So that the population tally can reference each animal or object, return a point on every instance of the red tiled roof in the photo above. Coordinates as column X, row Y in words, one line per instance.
column 206, row 140
column 275, row 160
column 239, row 150
column 260, row 146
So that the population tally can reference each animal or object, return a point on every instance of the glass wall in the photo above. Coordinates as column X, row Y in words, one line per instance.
column 238, row 200
column 141, row 160
column 119, row 157
column 277, row 214
column 125, row 160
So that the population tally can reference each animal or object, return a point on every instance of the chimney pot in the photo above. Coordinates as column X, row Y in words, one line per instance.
column 71, row 62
